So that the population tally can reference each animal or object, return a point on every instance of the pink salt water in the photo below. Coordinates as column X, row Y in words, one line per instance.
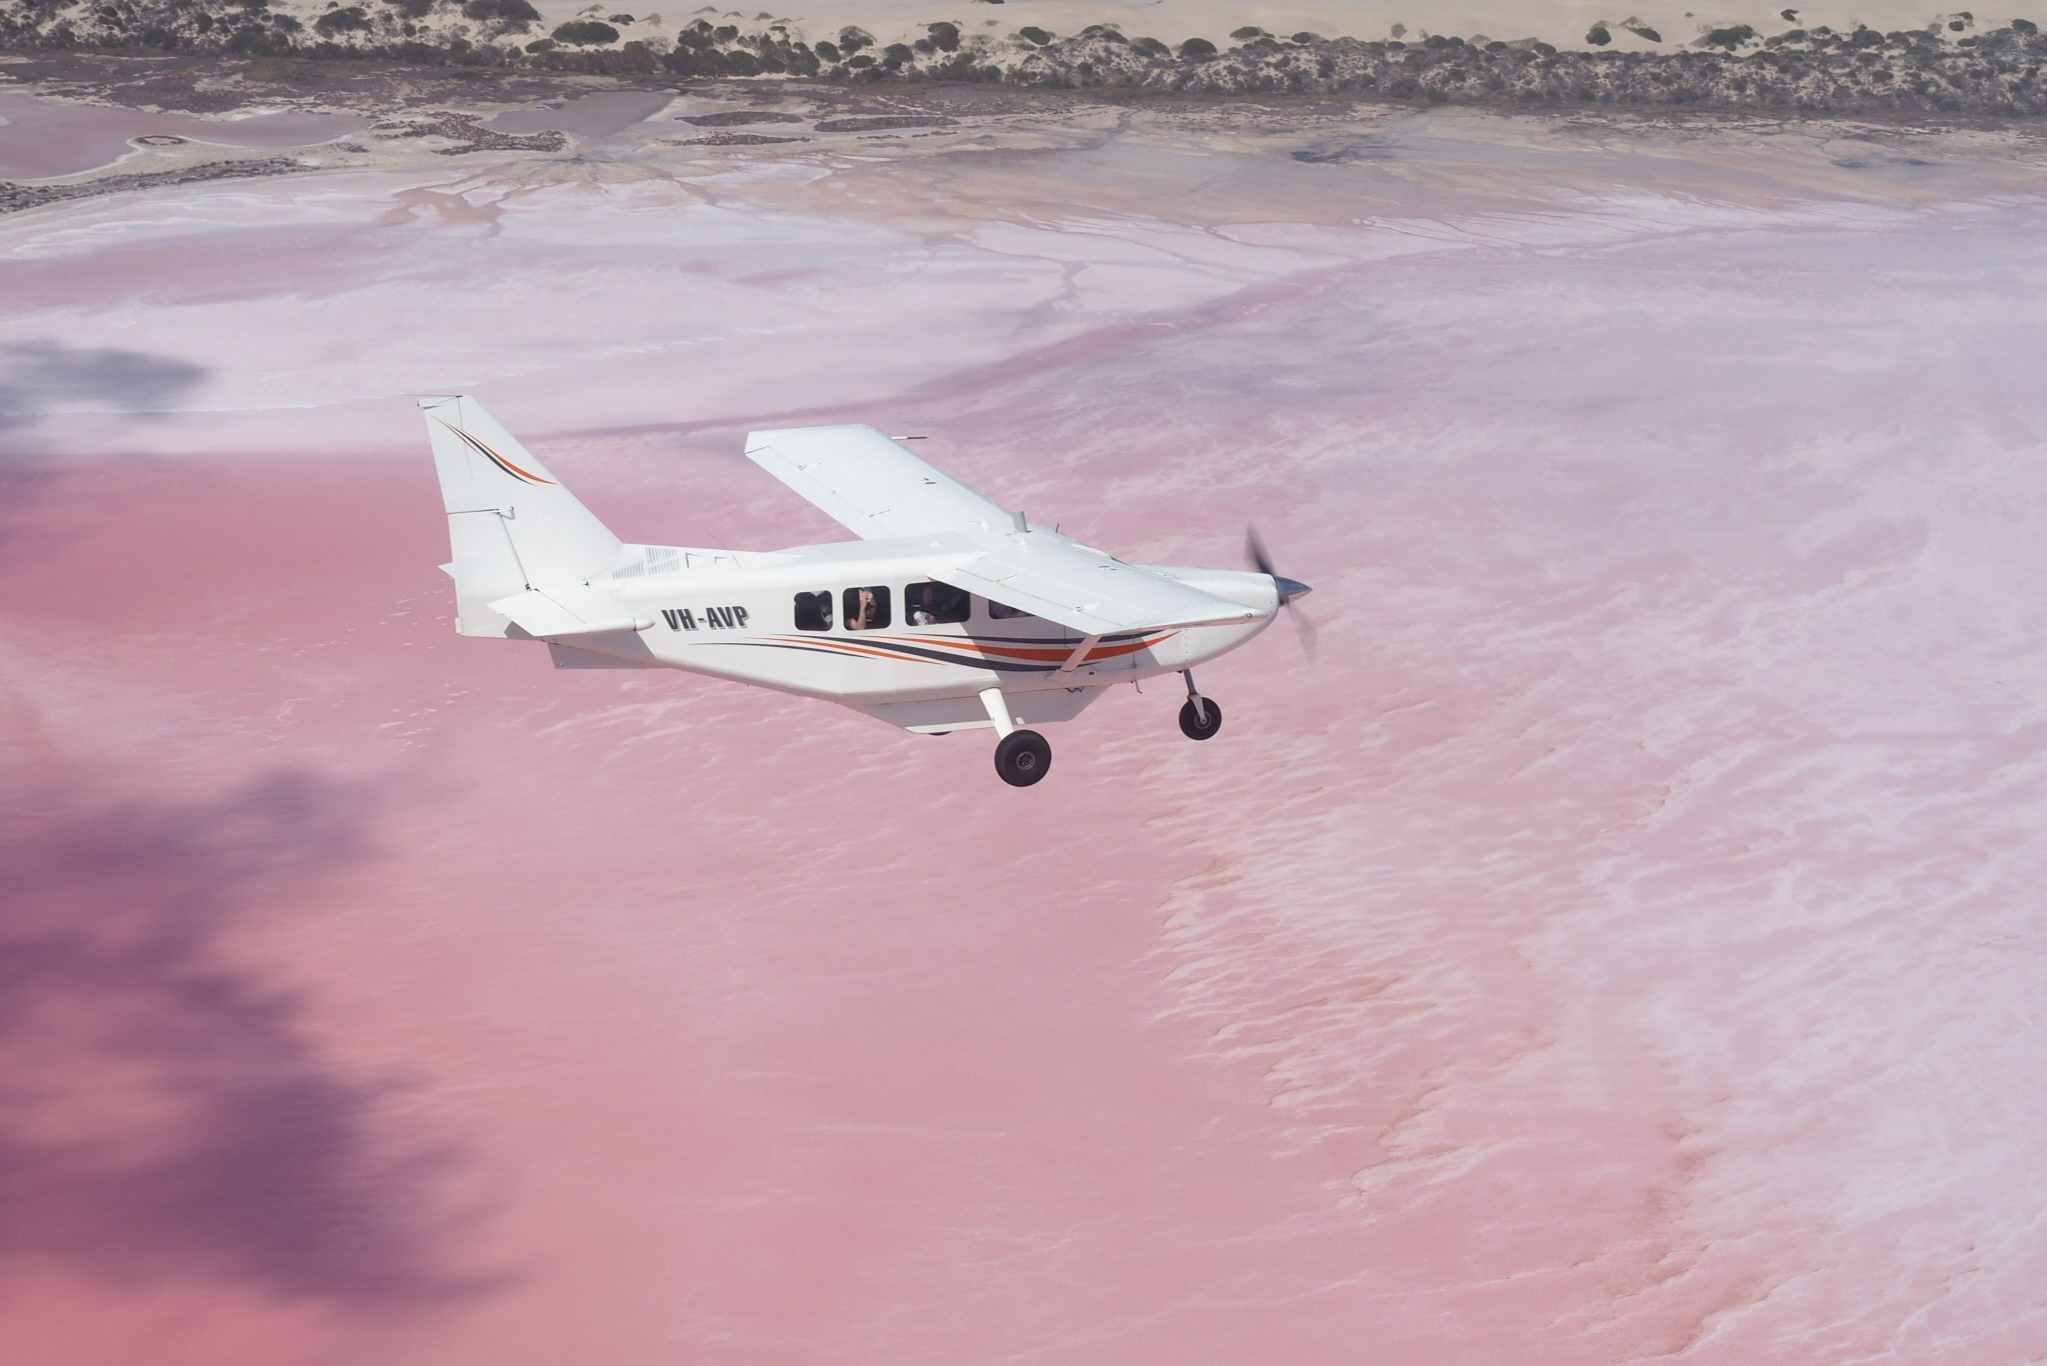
column 40, row 138
column 1621, row 940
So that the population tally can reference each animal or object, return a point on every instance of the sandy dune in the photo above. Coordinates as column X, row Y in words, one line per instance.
column 1562, row 22
column 1622, row 940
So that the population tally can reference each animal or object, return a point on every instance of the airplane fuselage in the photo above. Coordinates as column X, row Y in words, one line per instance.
column 864, row 624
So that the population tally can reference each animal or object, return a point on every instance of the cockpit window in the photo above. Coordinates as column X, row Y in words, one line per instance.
column 866, row 609
column 814, row 611
column 998, row 611
column 934, row 604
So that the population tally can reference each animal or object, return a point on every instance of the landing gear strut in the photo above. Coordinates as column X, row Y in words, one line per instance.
column 1023, row 756
column 1201, row 717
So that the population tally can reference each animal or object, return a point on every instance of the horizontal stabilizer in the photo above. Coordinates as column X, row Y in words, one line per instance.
column 571, row 610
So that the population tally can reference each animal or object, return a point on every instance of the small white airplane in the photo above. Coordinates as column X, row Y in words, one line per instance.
column 949, row 613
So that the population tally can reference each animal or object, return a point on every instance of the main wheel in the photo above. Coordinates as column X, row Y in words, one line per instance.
column 1195, row 726
column 1022, row 758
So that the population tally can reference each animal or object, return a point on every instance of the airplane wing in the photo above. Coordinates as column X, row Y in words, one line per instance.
column 1056, row 578
column 870, row 484
column 874, row 487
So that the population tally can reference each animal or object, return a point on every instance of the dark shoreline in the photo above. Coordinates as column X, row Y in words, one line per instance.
column 15, row 197
column 2000, row 73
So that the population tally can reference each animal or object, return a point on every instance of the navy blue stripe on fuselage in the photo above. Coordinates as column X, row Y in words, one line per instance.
column 883, row 653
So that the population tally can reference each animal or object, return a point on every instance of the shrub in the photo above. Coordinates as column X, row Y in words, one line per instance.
column 541, row 45
column 350, row 20
column 508, row 12
column 249, row 39
column 944, row 37
column 1598, row 36
column 826, row 49
column 851, row 40
column 585, row 33
column 1034, row 34
column 1195, row 49
column 1250, row 31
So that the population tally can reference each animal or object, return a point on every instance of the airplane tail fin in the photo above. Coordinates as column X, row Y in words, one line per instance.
column 512, row 526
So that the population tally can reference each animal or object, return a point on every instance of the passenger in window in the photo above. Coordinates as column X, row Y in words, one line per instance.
column 1002, row 611
column 933, row 604
column 814, row 611
column 866, row 609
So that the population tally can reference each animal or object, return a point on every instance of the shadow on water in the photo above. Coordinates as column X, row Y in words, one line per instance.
column 42, row 379
column 163, row 1113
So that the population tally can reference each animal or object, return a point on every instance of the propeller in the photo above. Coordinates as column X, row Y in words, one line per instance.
column 1289, row 589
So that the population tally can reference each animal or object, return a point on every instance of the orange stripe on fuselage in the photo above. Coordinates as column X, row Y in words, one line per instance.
column 881, row 649
column 1052, row 654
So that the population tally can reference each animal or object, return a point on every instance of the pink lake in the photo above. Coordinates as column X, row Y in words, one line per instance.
column 40, row 138
column 1622, row 940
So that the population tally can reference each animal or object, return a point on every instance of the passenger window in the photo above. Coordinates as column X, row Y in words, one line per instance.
column 1000, row 611
column 814, row 611
column 866, row 609
column 934, row 604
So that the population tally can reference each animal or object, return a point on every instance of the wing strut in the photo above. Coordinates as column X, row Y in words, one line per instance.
column 1073, row 660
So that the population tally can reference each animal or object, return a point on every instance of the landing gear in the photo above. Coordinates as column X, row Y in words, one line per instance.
column 1022, row 758
column 1201, row 717
column 1197, row 726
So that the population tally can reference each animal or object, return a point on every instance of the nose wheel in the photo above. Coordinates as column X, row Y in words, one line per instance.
column 1022, row 758
column 1201, row 717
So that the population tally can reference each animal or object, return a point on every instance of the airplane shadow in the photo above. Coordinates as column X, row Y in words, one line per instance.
column 163, row 1112
column 39, row 379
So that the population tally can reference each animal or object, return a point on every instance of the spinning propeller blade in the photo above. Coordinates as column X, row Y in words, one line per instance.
column 1289, row 589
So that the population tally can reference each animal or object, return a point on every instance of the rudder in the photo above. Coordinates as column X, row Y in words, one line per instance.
column 512, row 527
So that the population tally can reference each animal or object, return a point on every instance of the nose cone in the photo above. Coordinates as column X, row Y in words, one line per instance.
column 1289, row 589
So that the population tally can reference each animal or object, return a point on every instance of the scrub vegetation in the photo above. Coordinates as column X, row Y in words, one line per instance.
column 1953, row 67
